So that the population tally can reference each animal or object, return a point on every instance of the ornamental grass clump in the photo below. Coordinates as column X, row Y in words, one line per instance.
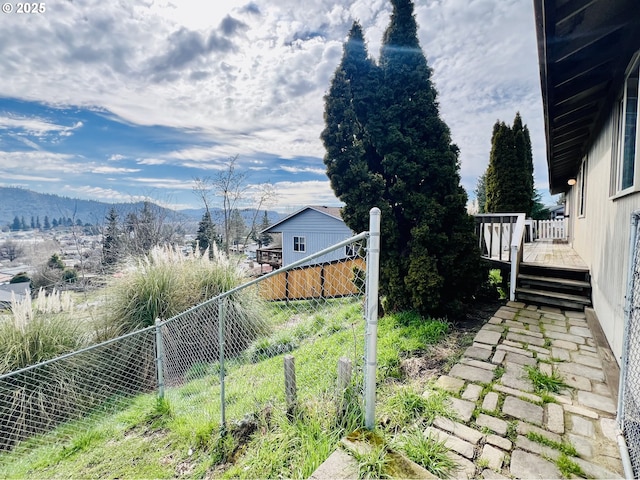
column 167, row 283
column 35, row 400
column 38, row 330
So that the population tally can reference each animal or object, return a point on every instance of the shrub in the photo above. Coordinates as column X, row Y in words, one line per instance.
column 55, row 262
column 70, row 275
column 21, row 277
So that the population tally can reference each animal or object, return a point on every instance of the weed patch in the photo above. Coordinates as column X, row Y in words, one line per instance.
column 563, row 447
column 545, row 383
column 568, row 468
column 427, row 452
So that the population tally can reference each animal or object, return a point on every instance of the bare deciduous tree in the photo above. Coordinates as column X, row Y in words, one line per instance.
column 231, row 187
column 11, row 250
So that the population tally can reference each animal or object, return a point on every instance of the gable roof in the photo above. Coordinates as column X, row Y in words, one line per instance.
column 333, row 212
column 584, row 47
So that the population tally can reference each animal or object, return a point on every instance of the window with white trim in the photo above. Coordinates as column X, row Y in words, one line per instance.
column 350, row 250
column 299, row 244
column 625, row 133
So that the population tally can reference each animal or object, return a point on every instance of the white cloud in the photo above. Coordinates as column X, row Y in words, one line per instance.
column 103, row 194
column 299, row 194
column 250, row 77
column 112, row 170
column 31, row 178
column 36, row 127
column 163, row 183
column 316, row 171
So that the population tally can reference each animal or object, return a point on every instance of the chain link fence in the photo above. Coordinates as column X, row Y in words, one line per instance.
column 253, row 348
column 629, row 401
column 278, row 341
column 67, row 393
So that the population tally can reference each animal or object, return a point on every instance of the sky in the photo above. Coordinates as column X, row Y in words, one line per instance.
column 125, row 100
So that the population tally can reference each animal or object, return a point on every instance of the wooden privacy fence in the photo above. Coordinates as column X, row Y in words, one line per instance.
column 326, row 280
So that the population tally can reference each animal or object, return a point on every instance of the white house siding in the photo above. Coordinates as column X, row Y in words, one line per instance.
column 601, row 237
column 320, row 231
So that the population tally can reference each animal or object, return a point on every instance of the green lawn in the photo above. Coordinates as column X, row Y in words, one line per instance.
column 180, row 436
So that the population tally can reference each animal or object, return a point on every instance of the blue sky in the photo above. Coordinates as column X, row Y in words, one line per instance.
column 122, row 101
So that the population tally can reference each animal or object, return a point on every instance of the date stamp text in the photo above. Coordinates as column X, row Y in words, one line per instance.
column 25, row 8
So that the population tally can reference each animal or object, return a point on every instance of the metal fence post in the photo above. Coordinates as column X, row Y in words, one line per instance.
column 221, row 347
column 371, row 313
column 159, row 357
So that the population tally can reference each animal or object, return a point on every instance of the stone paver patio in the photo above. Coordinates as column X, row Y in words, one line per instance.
column 507, row 429
column 514, row 431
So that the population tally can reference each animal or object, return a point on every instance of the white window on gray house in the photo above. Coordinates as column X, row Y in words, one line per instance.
column 350, row 250
column 625, row 133
column 582, row 189
column 299, row 244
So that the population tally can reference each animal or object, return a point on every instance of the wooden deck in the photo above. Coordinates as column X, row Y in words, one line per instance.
column 547, row 253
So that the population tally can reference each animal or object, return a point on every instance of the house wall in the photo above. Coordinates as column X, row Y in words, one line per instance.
column 320, row 231
column 601, row 236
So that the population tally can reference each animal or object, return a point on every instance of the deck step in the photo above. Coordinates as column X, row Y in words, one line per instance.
column 558, row 299
column 540, row 280
column 550, row 271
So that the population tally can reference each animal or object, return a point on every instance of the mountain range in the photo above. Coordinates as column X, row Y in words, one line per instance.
column 23, row 203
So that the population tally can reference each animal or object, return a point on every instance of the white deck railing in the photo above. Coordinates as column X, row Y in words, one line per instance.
column 501, row 239
column 552, row 229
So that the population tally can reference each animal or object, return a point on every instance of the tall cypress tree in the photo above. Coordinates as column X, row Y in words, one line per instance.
column 352, row 162
column 510, row 186
column 388, row 147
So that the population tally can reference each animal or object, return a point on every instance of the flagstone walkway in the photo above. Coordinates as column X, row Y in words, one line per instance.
column 508, row 430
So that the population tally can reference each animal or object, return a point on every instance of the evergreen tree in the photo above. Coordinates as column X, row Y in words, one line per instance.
column 388, row 147
column 15, row 226
column 111, row 244
column 38, row 225
column 481, row 193
column 509, row 182
column 55, row 223
column 237, row 227
column 33, row 222
column 264, row 239
column 206, row 234
column 23, row 224
column 47, row 225
column 55, row 262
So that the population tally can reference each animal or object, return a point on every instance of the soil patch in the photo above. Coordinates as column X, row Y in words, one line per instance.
column 438, row 359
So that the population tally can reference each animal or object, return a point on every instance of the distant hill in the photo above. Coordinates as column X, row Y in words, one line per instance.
column 27, row 203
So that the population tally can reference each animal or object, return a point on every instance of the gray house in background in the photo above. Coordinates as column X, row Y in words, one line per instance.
column 307, row 231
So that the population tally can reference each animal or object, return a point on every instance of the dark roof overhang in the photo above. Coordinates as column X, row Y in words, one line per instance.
column 584, row 48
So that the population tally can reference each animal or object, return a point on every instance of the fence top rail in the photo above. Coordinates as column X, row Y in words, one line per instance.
column 487, row 217
column 343, row 243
